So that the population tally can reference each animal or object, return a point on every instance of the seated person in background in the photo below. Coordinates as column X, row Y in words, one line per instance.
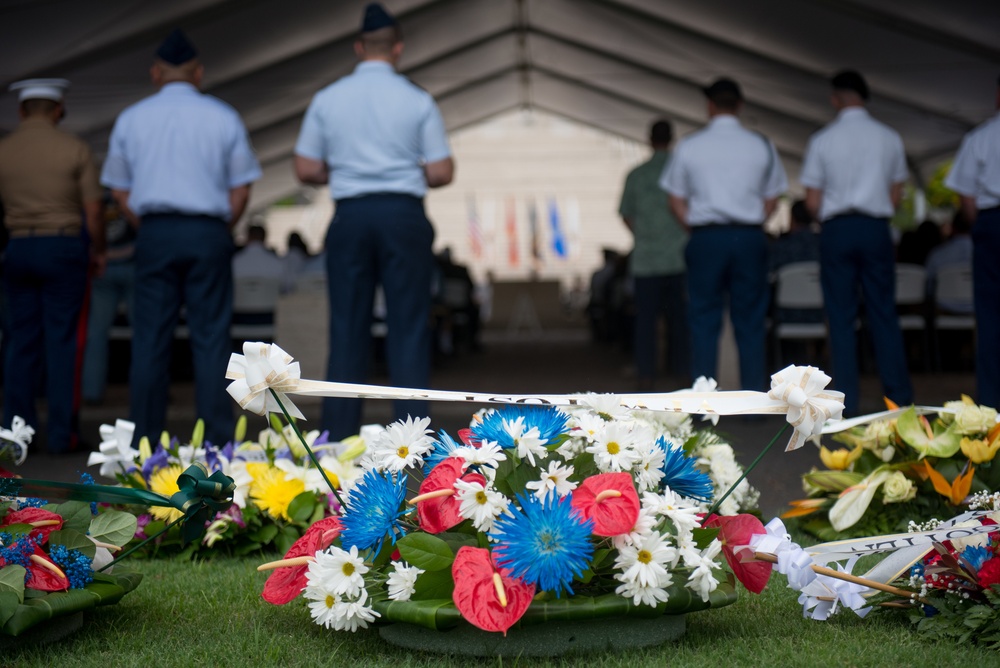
column 916, row 245
column 294, row 261
column 255, row 260
column 799, row 244
column 956, row 251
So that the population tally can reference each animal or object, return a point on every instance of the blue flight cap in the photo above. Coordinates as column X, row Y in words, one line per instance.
column 376, row 18
column 176, row 49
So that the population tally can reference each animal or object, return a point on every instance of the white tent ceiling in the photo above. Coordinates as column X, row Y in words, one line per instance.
column 613, row 64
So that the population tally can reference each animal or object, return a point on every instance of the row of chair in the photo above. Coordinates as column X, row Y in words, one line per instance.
column 797, row 286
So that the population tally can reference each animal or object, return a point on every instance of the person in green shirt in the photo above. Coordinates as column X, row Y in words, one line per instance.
column 657, row 264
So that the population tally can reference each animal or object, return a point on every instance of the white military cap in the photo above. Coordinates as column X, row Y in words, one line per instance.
column 40, row 89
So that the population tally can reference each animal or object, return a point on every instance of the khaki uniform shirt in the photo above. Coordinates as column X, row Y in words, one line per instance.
column 659, row 238
column 45, row 177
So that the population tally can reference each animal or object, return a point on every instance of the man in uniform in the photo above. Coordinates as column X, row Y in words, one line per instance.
column 853, row 173
column 182, row 163
column 379, row 141
column 657, row 263
column 975, row 176
column 724, row 181
column 48, row 185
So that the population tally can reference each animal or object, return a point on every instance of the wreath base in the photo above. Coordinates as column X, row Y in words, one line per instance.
column 548, row 639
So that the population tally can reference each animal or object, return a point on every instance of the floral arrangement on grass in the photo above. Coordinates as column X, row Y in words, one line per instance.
column 898, row 466
column 531, row 514
column 52, row 555
column 279, row 491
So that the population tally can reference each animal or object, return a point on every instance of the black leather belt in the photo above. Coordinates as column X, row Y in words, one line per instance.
column 64, row 231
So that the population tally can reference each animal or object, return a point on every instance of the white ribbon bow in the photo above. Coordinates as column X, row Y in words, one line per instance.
column 821, row 597
column 116, row 451
column 793, row 562
column 19, row 436
column 810, row 405
column 263, row 367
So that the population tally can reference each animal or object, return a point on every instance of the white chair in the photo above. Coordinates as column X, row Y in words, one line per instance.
column 254, row 303
column 797, row 286
column 953, row 287
column 911, row 286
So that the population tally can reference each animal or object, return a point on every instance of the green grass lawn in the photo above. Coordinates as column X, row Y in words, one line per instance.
column 210, row 613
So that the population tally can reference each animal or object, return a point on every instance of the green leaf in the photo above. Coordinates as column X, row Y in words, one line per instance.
column 703, row 537
column 73, row 540
column 521, row 476
column 113, row 526
column 12, row 580
column 264, row 534
column 19, row 529
column 425, row 551
column 76, row 515
column 283, row 541
column 302, row 506
column 8, row 606
column 434, row 585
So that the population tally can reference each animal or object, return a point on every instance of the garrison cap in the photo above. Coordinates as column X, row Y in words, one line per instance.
column 852, row 81
column 40, row 89
column 376, row 17
column 176, row 49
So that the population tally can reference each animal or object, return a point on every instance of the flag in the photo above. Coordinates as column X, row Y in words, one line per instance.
column 512, row 252
column 535, row 235
column 475, row 231
column 558, row 240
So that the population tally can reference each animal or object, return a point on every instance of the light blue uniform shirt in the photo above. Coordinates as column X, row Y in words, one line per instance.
column 179, row 151
column 976, row 170
column 725, row 172
column 375, row 130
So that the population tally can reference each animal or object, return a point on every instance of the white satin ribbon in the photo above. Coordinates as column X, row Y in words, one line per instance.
column 116, row 454
column 793, row 562
column 797, row 392
column 263, row 367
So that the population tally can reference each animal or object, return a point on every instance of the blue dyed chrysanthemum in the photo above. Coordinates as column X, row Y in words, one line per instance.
column 976, row 556
column 680, row 474
column 75, row 564
column 551, row 423
column 443, row 447
column 545, row 543
column 373, row 511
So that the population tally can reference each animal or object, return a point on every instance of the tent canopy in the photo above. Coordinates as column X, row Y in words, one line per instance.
column 613, row 64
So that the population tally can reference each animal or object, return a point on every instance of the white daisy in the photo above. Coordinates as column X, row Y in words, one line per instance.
column 649, row 595
column 488, row 455
column 237, row 470
column 480, row 504
column 556, row 479
column 607, row 406
column 702, row 580
column 646, row 561
column 402, row 581
column 613, row 448
column 351, row 615
column 528, row 443
column 323, row 604
column 649, row 468
column 587, row 425
column 643, row 526
column 671, row 505
column 402, row 444
column 338, row 571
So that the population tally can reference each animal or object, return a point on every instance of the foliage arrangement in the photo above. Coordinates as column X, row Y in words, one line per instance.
column 52, row 557
column 532, row 514
column 901, row 466
column 279, row 492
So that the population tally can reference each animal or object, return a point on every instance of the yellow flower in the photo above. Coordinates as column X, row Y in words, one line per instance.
column 957, row 489
column 164, row 481
column 979, row 451
column 272, row 489
column 838, row 460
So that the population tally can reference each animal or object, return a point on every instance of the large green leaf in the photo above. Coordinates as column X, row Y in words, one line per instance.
column 76, row 515
column 12, row 580
column 113, row 526
column 73, row 540
column 19, row 529
column 434, row 584
column 425, row 551
column 302, row 506
column 8, row 606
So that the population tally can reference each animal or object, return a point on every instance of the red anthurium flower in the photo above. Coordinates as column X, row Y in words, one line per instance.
column 439, row 511
column 287, row 582
column 43, row 521
column 735, row 531
column 465, row 435
column 610, row 501
column 43, row 576
column 487, row 596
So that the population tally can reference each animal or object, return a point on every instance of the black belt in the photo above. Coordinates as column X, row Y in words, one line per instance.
column 854, row 213
column 748, row 226
column 64, row 231
column 172, row 215
column 377, row 196
column 992, row 209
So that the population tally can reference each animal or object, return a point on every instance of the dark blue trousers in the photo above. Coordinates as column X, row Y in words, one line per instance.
column 46, row 282
column 986, row 292
column 187, row 260
column 655, row 296
column 856, row 253
column 728, row 262
column 378, row 239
